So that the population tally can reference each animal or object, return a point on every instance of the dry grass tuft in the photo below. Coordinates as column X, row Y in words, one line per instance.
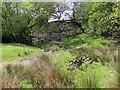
column 44, row 72
column 40, row 73
column 9, row 81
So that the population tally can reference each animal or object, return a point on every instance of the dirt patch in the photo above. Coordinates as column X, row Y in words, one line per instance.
column 25, row 61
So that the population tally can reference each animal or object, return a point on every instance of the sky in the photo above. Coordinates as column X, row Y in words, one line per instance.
column 69, row 3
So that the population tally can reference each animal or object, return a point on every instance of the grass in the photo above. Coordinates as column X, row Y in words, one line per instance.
column 40, row 73
column 93, row 76
column 62, row 58
column 87, row 40
column 12, row 52
column 50, row 69
column 96, row 75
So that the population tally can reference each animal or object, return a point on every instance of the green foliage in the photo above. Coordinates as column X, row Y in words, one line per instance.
column 93, row 76
column 20, row 19
column 86, row 76
column 99, row 18
column 25, row 84
column 43, row 71
column 62, row 58
column 12, row 52
column 84, row 39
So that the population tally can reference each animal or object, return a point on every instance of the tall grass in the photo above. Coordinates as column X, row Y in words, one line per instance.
column 104, row 53
column 96, row 75
column 49, row 69
column 61, row 59
column 9, row 81
column 44, row 73
column 93, row 76
column 40, row 73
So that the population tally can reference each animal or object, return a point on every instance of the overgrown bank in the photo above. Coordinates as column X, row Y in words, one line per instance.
column 50, row 68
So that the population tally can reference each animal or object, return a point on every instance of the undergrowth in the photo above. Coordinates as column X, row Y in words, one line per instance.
column 50, row 68
column 40, row 73
column 86, row 40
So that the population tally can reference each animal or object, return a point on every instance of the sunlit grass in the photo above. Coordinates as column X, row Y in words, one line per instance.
column 12, row 52
column 95, row 75
column 62, row 59
column 87, row 40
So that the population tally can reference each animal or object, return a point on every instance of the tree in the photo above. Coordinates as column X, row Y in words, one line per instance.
column 100, row 18
column 20, row 19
